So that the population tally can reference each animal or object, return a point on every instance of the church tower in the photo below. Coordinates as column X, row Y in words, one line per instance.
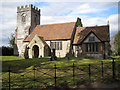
column 27, row 19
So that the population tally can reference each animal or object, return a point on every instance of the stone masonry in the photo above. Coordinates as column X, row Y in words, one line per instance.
column 27, row 19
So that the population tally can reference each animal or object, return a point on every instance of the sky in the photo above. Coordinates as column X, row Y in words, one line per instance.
column 60, row 11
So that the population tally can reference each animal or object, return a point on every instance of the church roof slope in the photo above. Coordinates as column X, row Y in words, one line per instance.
column 102, row 33
column 53, row 31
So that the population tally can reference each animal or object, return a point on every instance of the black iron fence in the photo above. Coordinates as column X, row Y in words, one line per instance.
column 56, row 76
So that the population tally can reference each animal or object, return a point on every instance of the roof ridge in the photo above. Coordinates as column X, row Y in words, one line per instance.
column 94, row 26
column 56, row 23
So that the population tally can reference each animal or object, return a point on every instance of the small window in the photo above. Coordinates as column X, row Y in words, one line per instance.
column 23, row 18
column 91, row 38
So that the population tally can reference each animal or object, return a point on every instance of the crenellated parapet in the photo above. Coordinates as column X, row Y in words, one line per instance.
column 28, row 8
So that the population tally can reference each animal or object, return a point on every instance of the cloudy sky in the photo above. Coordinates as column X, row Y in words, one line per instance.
column 55, row 11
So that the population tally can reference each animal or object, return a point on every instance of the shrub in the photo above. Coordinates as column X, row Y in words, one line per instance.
column 6, row 51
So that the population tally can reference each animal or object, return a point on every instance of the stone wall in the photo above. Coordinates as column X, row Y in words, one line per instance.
column 98, row 54
column 65, row 47
column 80, row 51
column 77, row 51
column 44, row 50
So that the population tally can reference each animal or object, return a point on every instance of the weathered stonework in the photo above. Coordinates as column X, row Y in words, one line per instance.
column 27, row 18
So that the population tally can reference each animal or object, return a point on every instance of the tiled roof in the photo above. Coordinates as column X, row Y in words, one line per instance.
column 102, row 33
column 53, row 31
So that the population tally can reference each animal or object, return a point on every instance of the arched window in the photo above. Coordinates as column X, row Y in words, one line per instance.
column 23, row 17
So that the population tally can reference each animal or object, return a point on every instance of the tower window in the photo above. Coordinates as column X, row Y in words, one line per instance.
column 23, row 17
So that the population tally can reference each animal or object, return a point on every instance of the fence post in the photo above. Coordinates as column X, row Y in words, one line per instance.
column 73, row 73
column 113, row 68
column 9, row 76
column 55, row 75
column 102, row 69
column 89, row 72
column 34, row 75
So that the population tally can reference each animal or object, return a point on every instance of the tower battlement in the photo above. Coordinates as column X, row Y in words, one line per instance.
column 26, row 8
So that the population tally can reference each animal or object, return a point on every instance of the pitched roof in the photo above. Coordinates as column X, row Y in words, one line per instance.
column 102, row 33
column 41, row 38
column 53, row 31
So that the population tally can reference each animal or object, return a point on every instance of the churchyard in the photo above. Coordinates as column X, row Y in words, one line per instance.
column 63, row 72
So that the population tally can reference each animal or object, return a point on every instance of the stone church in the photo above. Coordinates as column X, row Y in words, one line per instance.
column 33, row 40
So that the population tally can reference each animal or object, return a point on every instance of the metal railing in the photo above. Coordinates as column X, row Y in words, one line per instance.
column 56, row 76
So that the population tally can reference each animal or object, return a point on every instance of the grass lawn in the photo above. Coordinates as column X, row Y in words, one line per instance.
column 8, row 58
column 23, row 75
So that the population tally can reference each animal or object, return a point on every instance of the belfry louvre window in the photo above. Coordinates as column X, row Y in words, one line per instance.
column 56, row 45
column 92, row 47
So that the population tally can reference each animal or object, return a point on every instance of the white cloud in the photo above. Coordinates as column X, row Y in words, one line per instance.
column 59, row 19
column 7, row 29
column 113, row 19
column 65, row 12
column 75, row 8
column 58, row 8
column 84, row 8
column 95, row 21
